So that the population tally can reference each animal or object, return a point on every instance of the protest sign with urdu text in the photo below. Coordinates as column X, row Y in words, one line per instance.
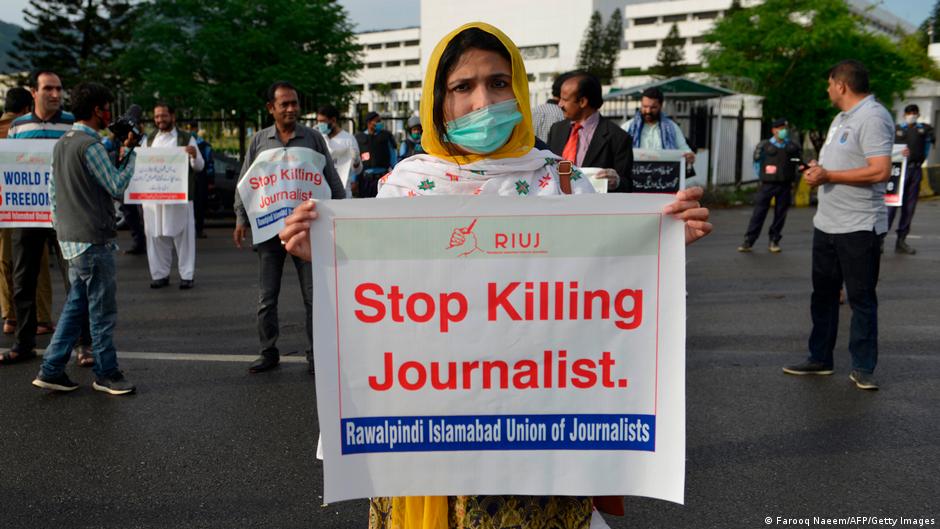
column 658, row 171
column 538, row 342
column 277, row 182
column 161, row 176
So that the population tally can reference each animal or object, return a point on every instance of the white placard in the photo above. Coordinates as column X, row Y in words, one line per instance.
column 26, row 167
column 600, row 184
column 894, row 189
column 538, row 342
column 161, row 176
column 277, row 182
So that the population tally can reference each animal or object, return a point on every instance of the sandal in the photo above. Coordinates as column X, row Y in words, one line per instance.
column 9, row 326
column 45, row 328
column 85, row 358
column 7, row 357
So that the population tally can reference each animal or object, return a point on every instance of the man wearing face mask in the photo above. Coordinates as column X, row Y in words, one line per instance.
column 379, row 154
column 651, row 129
column 776, row 161
column 412, row 143
column 588, row 139
column 84, row 184
column 343, row 146
column 918, row 137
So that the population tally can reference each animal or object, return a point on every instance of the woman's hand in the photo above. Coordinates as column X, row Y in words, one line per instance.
column 687, row 208
column 296, row 233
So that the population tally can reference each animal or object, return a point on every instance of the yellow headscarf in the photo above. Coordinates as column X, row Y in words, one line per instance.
column 430, row 512
column 523, row 136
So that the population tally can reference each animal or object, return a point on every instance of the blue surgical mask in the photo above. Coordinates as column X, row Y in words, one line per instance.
column 485, row 130
column 783, row 134
column 323, row 127
column 379, row 127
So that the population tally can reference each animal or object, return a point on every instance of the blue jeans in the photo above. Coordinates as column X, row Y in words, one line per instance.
column 93, row 293
column 853, row 258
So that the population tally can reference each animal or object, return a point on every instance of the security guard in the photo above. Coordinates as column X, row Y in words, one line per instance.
column 412, row 143
column 918, row 137
column 777, row 161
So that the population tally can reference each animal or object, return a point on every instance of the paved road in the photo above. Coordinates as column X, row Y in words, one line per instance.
column 205, row 445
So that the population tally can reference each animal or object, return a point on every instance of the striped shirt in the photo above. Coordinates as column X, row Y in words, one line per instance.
column 31, row 127
column 114, row 180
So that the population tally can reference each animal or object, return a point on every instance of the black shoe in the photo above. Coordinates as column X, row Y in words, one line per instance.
column 808, row 367
column 186, row 284
column 59, row 382
column 114, row 384
column 264, row 363
column 160, row 283
column 863, row 380
column 903, row 248
column 136, row 250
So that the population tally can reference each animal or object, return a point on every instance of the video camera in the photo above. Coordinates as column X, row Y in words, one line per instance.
column 126, row 124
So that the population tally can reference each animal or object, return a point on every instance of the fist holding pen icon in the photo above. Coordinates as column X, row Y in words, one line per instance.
column 460, row 236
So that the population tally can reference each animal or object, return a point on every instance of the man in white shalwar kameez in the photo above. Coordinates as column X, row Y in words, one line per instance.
column 172, row 225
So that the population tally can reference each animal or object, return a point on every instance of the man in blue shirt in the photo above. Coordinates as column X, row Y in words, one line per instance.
column 47, row 121
column 84, row 183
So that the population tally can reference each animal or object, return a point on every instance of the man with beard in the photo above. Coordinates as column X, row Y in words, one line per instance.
column 172, row 225
column 651, row 129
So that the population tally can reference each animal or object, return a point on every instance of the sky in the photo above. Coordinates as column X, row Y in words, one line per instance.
column 389, row 14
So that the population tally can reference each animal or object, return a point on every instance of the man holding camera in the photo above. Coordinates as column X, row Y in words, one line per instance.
column 84, row 183
column 169, row 225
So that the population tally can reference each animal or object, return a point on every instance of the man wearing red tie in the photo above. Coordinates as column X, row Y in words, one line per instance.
column 588, row 139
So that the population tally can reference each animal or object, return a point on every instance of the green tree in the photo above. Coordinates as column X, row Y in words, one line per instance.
column 78, row 39
column 590, row 57
column 613, row 37
column 671, row 55
column 222, row 54
column 782, row 50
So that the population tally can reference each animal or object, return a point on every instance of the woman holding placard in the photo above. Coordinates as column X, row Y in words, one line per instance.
column 479, row 140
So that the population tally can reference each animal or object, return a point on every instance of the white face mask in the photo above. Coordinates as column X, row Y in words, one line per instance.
column 910, row 118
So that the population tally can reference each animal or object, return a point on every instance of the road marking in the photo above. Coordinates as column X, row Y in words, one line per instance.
column 181, row 357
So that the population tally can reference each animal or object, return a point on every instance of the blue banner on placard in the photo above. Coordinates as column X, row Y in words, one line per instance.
column 498, row 432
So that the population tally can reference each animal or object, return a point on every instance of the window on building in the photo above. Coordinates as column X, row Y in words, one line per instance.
column 698, row 40
column 626, row 72
column 547, row 77
column 667, row 19
column 393, row 63
column 409, row 43
column 413, row 84
column 395, row 44
column 357, row 87
column 412, row 62
column 374, row 46
column 531, row 77
column 543, row 51
column 644, row 44
column 374, row 65
column 396, row 85
column 645, row 21
column 402, row 107
column 381, row 107
column 705, row 15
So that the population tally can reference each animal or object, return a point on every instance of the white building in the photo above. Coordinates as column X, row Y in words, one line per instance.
column 549, row 34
